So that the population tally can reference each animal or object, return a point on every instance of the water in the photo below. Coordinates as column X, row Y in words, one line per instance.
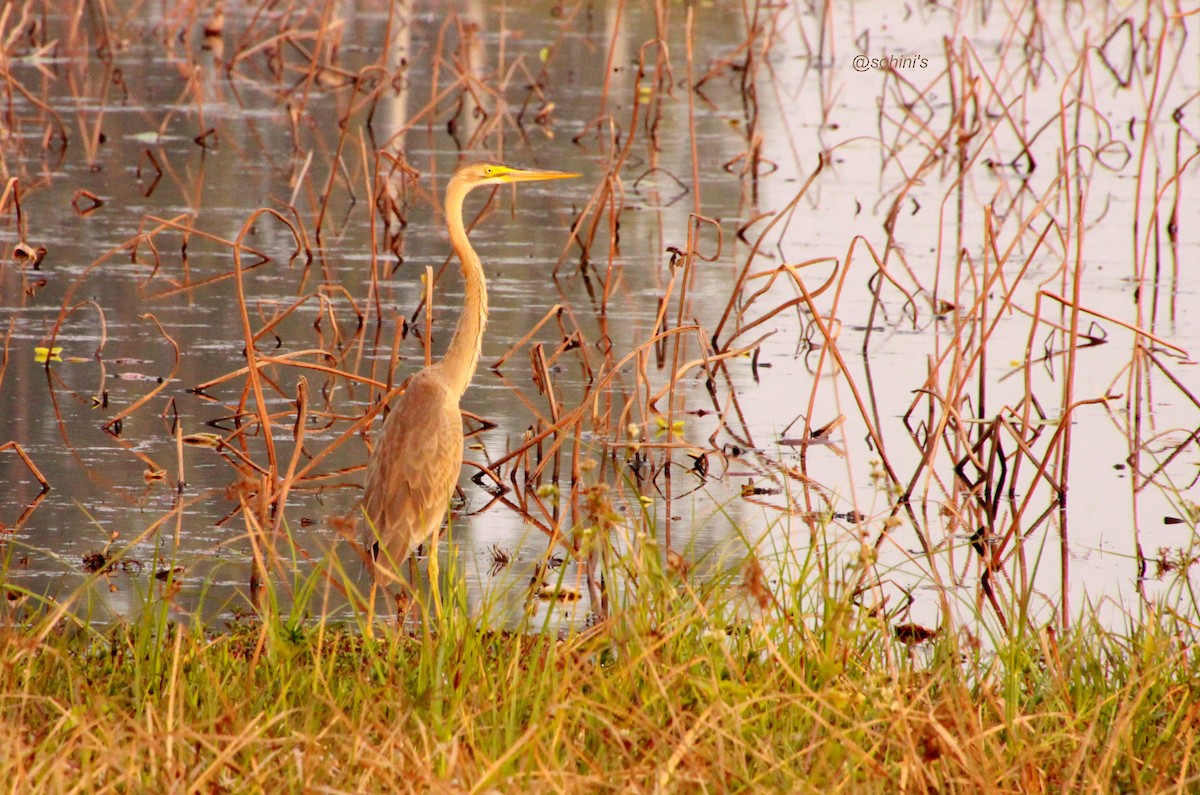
column 532, row 84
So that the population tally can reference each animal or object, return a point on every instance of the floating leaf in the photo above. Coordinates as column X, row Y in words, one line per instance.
column 96, row 561
column 562, row 593
column 203, row 440
column 25, row 254
column 43, row 355
column 544, row 54
column 675, row 428
column 174, row 571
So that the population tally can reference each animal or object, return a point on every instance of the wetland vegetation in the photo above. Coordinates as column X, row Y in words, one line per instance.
column 838, row 429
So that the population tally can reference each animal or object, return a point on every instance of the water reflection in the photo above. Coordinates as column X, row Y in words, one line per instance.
column 941, row 222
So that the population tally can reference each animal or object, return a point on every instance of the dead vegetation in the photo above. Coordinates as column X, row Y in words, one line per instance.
column 970, row 224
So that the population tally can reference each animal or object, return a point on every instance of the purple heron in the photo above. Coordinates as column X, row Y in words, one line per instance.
column 414, row 467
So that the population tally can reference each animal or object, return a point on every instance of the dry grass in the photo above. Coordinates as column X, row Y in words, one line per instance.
column 686, row 686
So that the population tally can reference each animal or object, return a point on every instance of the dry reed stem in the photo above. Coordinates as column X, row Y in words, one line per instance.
column 977, row 287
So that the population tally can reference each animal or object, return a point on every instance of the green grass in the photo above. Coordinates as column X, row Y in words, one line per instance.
column 720, row 686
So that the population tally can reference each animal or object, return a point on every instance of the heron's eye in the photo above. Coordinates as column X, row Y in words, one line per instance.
column 488, row 170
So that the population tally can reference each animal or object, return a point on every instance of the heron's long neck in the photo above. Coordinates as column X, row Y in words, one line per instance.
column 463, row 354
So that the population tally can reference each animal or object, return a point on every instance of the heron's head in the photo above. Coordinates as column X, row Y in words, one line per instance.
column 476, row 174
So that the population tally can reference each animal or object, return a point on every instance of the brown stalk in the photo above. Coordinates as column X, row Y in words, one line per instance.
column 248, row 336
column 554, row 311
column 742, row 275
column 129, row 410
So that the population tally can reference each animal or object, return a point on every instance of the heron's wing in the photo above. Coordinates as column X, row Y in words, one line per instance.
column 414, row 467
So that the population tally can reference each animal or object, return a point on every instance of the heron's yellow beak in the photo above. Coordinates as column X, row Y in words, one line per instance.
column 510, row 174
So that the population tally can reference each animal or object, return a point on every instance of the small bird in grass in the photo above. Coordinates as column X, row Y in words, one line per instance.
column 414, row 467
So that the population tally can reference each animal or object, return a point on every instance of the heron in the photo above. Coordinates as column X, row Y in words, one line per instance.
column 413, row 469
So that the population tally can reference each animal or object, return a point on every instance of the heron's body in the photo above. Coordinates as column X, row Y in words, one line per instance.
column 414, row 467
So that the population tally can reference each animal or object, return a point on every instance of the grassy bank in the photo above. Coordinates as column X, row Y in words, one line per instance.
column 731, row 687
column 913, row 308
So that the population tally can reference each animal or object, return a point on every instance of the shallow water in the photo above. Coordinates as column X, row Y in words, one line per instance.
column 137, row 108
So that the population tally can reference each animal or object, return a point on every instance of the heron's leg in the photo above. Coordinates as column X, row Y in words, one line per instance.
column 404, row 603
column 435, row 589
